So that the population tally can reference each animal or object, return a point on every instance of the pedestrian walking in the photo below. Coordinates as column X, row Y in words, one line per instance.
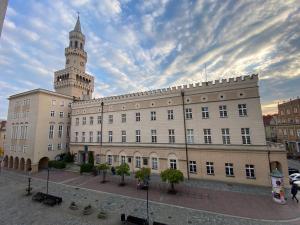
column 294, row 192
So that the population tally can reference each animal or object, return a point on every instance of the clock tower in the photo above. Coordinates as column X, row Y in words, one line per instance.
column 73, row 80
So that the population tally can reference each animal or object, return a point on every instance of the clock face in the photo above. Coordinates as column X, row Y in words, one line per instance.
column 81, row 63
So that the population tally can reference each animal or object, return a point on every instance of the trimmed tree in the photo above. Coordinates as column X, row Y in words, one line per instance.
column 123, row 170
column 103, row 167
column 173, row 177
column 143, row 176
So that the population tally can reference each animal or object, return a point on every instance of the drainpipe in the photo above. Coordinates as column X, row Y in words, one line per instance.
column 185, row 140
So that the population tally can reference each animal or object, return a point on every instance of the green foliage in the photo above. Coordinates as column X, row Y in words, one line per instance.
column 103, row 167
column 86, row 168
column 143, row 174
column 57, row 164
column 123, row 170
column 172, row 176
column 68, row 157
column 91, row 158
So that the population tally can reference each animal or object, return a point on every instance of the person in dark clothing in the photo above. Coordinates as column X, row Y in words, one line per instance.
column 113, row 170
column 294, row 192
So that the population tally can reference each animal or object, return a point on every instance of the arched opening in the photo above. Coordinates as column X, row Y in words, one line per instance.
column 5, row 160
column 22, row 164
column 11, row 162
column 43, row 163
column 76, row 44
column 276, row 165
column 80, row 45
column 28, row 164
column 70, row 43
column 16, row 164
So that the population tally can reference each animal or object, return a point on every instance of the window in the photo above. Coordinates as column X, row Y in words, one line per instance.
column 291, row 132
column 188, row 113
column 91, row 120
column 138, row 136
column 123, row 136
column 250, row 173
column 60, row 131
column 225, row 136
column 229, row 169
column 51, row 130
column 193, row 167
column 83, row 120
column 76, row 136
column 52, row 113
column 242, row 109
column 154, row 165
column 110, row 119
column 109, row 159
column 138, row 116
column 25, row 147
column 153, row 115
column 68, row 131
column 138, row 162
column 246, row 136
column 223, row 111
column 207, row 136
column 50, row 147
column 97, row 158
column 99, row 119
column 210, row 168
column 110, row 136
column 123, row 117
column 145, row 161
column 59, row 146
column 53, row 102
column 98, row 136
column 153, row 136
column 62, row 103
column 61, row 114
column 91, row 136
column 298, row 132
column 83, row 137
column 205, row 114
column 170, row 114
column 171, row 136
column 173, row 164
column 123, row 159
column 190, row 136
column 77, row 121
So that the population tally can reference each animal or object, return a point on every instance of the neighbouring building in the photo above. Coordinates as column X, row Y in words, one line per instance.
column 288, row 128
column 209, row 130
column 3, row 7
column 270, row 123
column 2, row 134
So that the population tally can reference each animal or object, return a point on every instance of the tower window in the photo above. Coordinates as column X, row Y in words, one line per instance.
column 70, row 43
column 76, row 44
column 80, row 45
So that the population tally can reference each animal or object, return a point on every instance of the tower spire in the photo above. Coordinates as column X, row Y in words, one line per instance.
column 77, row 26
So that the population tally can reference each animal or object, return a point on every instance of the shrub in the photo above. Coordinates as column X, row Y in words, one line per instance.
column 68, row 157
column 123, row 170
column 86, row 168
column 57, row 164
column 91, row 158
column 172, row 176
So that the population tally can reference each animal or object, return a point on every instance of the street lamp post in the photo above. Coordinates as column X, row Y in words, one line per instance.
column 47, row 179
column 146, row 181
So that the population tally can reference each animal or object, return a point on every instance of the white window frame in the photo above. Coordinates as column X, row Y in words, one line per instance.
column 210, row 170
column 153, row 136
column 83, row 137
column 188, row 113
column 171, row 136
column 225, row 136
column 154, row 163
column 110, row 136
column 137, row 116
column 250, row 171
column 109, row 159
column 91, row 136
column 138, row 136
column 110, row 119
column 246, row 138
column 61, row 114
column 91, row 120
column 205, row 112
column 137, row 162
column 170, row 114
column 84, row 120
column 123, row 138
column 98, row 136
column 76, row 121
column 52, row 113
column 123, row 118
column 173, row 164
column 223, row 111
column 190, row 136
column 229, row 169
column 76, row 136
column 60, row 131
column 99, row 119
column 50, row 147
column 242, row 110
column 153, row 115
column 193, row 166
column 207, row 136
column 51, row 131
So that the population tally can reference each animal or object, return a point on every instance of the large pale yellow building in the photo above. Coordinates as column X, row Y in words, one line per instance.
column 209, row 130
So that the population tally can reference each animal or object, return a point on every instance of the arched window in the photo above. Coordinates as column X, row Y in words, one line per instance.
column 80, row 45
column 76, row 44
column 70, row 43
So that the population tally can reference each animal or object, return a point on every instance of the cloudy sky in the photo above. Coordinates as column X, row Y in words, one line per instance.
column 139, row 45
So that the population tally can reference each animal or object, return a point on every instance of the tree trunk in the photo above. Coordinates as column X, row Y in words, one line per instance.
column 104, row 175
column 172, row 187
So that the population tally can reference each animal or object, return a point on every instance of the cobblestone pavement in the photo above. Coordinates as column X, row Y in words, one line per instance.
column 16, row 209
